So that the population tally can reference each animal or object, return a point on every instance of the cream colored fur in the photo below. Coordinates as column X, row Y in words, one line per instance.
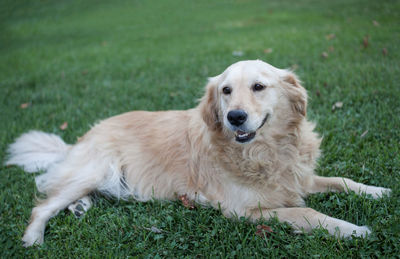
column 194, row 152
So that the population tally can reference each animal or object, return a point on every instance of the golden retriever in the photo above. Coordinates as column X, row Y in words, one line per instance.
column 247, row 148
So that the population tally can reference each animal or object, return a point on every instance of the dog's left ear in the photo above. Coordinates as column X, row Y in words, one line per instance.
column 209, row 105
column 297, row 93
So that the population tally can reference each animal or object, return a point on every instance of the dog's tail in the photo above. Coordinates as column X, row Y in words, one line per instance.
column 35, row 151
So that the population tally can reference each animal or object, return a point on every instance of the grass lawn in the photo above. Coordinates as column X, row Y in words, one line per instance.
column 82, row 61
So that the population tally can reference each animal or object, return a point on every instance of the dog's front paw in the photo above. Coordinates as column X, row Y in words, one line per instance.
column 344, row 229
column 361, row 231
column 356, row 231
column 377, row 192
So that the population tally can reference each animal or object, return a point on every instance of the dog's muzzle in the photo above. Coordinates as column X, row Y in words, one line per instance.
column 243, row 136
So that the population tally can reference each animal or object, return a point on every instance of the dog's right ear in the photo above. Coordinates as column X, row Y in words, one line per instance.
column 209, row 105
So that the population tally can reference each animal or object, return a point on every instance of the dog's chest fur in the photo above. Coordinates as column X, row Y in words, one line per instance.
column 271, row 173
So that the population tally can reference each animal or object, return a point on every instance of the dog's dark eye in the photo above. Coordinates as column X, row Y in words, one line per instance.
column 226, row 90
column 258, row 87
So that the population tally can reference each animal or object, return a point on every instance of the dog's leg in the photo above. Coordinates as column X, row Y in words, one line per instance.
column 306, row 219
column 339, row 184
column 66, row 184
column 34, row 234
column 79, row 207
column 49, row 208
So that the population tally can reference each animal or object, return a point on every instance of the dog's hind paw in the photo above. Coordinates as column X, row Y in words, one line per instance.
column 32, row 238
column 79, row 207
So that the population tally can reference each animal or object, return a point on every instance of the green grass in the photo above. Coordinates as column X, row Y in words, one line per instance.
column 82, row 61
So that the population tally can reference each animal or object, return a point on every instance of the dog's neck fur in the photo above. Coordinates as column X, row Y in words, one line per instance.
column 260, row 154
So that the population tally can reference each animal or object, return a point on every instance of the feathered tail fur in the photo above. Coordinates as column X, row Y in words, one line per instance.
column 35, row 151
column 39, row 151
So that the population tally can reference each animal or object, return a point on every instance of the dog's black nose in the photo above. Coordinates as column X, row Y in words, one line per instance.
column 237, row 117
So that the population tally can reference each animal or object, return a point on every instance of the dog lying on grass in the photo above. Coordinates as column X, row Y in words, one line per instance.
column 247, row 148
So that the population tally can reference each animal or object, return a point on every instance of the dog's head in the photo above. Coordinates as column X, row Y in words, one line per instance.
column 250, row 96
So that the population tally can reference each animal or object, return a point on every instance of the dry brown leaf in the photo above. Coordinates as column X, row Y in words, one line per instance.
column 330, row 36
column 324, row 54
column 186, row 202
column 267, row 51
column 331, row 48
column 375, row 23
column 363, row 134
column 84, row 72
column 318, row 93
column 64, row 126
column 365, row 41
column 384, row 51
column 263, row 230
column 25, row 105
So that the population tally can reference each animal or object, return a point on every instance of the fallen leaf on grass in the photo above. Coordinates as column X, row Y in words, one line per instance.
column 384, row 51
column 25, row 105
column 186, row 202
column 331, row 48
column 318, row 93
column 64, row 126
column 267, row 51
column 365, row 41
column 364, row 133
column 324, row 54
column 330, row 36
column 375, row 23
column 263, row 230
column 337, row 105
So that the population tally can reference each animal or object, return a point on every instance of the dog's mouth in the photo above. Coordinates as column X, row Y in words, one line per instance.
column 242, row 136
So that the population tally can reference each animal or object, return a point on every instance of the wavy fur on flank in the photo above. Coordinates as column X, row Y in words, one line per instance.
column 261, row 167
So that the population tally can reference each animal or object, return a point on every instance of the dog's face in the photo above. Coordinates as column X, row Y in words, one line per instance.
column 247, row 97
